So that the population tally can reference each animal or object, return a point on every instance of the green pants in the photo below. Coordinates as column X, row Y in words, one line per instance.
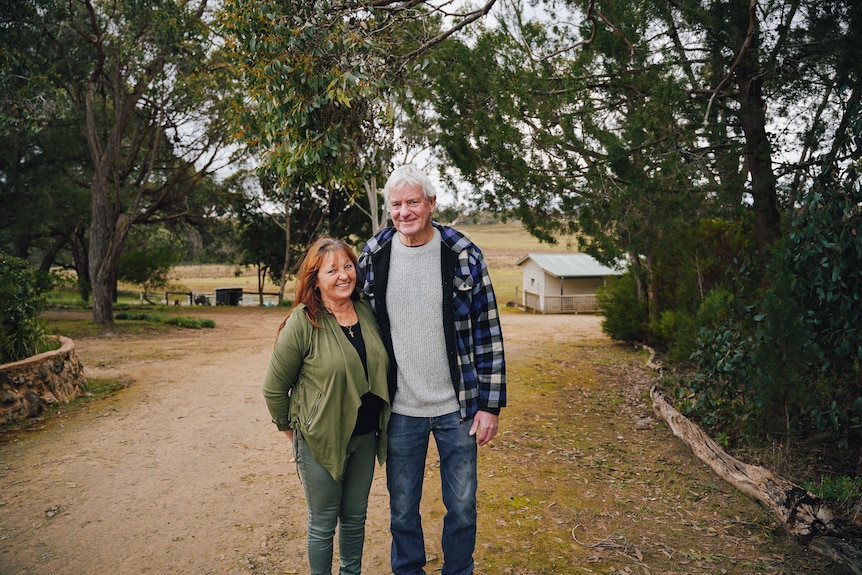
column 343, row 503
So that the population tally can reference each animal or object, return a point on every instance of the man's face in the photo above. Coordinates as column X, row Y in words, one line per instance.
column 411, row 214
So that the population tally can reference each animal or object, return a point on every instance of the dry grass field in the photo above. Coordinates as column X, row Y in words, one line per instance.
column 503, row 245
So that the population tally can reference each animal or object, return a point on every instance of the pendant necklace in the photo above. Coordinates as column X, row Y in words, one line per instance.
column 349, row 329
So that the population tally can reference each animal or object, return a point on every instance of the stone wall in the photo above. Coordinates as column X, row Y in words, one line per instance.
column 29, row 386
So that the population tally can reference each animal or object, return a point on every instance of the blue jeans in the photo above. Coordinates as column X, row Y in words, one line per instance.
column 405, row 470
column 343, row 503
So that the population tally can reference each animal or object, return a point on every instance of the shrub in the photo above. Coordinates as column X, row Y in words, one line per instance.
column 21, row 301
column 625, row 316
column 178, row 321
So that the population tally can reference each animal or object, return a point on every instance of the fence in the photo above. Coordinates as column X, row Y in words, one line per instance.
column 587, row 303
column 218, row 297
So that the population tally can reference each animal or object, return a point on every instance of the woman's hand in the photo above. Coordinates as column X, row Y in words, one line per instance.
column 289, row 434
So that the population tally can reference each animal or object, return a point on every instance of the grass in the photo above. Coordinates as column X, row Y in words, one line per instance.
column 68, row 297
column 179, row 321
column 572, row 486
column 128, row 321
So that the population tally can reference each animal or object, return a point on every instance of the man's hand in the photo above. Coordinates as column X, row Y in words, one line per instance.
column 484, row 427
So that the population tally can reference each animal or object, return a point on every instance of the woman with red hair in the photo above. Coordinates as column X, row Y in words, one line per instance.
column 326, row 389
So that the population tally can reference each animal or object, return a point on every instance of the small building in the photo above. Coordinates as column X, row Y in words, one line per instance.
column 228, row 296
column 562, row 283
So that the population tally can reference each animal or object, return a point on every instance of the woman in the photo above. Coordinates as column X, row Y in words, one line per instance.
column 326, row 389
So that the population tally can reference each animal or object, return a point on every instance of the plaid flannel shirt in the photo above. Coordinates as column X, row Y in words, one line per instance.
column 474, row 339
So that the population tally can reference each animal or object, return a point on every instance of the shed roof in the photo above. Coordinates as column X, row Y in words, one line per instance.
column 571, row 265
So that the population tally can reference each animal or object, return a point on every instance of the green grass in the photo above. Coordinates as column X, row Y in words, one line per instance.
column 64, row 296
column 132, row 323
column 175, row 320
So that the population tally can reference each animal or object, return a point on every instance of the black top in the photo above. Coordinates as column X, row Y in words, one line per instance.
column 368, row 417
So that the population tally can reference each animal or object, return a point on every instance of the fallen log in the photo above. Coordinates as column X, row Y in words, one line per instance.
column 805, row 516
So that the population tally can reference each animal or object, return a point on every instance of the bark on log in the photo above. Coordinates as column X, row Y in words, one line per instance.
column 806, row 516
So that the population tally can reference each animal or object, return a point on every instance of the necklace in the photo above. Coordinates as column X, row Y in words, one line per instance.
column 348, row 329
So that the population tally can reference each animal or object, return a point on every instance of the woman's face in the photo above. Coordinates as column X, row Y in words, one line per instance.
column 336, row 277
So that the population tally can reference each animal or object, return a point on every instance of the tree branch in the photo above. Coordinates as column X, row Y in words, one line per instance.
column 752, row 24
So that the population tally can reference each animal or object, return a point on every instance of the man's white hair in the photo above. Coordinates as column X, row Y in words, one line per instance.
column 408, row 175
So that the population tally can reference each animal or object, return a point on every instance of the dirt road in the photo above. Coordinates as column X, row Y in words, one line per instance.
column 182, row 472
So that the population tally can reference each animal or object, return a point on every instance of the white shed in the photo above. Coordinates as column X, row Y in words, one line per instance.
column 562, row 283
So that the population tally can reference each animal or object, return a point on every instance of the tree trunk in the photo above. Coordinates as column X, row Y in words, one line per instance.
column 805, row 516
column 752, row 118
column 652, row 291
column 80, row 255
column 285, row 268
column 261, row 281
column 374, row 209
column 101, row 227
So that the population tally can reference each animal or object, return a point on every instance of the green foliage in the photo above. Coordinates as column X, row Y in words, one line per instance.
column 625, row 315
column 308, row 91
column 148, row 258
column 784, row 356
column 749, row 357
column 21, row 300
column 678, row 331
column 178, row 321
column 842, row 490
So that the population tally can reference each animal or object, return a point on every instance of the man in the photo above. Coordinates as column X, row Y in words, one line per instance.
column 438, row 318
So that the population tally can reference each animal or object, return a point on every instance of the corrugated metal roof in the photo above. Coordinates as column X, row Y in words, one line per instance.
column 571, row 265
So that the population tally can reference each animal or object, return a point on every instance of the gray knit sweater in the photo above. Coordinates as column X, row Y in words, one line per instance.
column 414, row 304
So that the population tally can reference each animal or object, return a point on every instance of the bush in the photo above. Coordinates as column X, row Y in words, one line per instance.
column 21, row 301
column 783, row 357
column 625, row 316
column 178, row 321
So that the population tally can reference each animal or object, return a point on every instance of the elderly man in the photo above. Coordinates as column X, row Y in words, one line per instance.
column 438, row 318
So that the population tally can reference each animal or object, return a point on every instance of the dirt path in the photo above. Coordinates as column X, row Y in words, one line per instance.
column 182, row 472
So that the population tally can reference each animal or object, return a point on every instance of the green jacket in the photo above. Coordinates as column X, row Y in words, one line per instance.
column 315, row 381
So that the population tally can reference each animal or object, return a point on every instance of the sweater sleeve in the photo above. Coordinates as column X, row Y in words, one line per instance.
column 285, row 365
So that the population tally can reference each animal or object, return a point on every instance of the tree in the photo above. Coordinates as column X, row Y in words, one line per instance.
column 46, row 169
column 261, row 246
column 323, row 80
column 145, row 84
column 147, row 259
column 633, row 122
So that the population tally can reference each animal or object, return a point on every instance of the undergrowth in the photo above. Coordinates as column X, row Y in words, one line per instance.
column 175, row 320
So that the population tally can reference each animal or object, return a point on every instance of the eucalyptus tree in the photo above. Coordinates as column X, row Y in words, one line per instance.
column 324, row 82
column 144, row 82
